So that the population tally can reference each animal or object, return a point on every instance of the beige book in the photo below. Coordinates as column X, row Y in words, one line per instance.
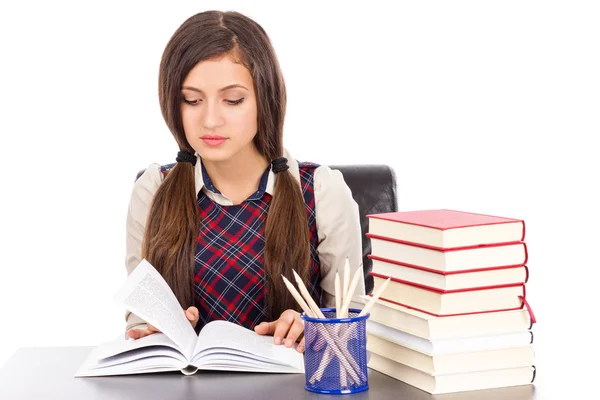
column 494, row 277
column 449, row 346
column 460, row 326
column 450, row 303
column 452, row 383
column 454, row 363
column 459, row 259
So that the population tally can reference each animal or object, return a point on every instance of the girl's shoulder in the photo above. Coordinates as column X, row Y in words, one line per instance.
column 322, row 176
column 328, row 181
column 164, row 169
column 155, row 173
column 307, row 165
column 143, row 191
column 151, row 178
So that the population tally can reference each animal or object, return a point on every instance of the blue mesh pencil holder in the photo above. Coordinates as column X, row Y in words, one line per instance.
column 335, row 355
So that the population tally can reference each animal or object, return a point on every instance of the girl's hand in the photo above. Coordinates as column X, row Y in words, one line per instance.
column 191, row 313
column 289, row 326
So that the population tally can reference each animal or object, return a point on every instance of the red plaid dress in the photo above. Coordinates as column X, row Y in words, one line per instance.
column 229, row 273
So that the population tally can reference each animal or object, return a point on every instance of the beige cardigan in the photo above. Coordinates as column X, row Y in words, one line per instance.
column 338, row 225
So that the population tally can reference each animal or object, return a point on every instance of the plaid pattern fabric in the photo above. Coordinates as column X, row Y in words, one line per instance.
column 229, row 272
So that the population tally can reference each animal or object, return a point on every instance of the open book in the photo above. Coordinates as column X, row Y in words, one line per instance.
column 221, row 345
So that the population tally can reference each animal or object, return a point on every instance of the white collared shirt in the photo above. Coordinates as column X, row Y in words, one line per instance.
column 337, row 219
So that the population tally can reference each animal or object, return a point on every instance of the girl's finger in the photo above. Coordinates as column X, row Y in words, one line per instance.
column 152, row 329
column 193, row 315
column 134, row 333
column 319, row 343
column 284, row 323
column 265, row 328
column 295, row 331
column 139, row 333
column 300, row 347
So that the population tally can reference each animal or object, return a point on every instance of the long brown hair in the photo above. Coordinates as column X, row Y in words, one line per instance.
column 173, row 221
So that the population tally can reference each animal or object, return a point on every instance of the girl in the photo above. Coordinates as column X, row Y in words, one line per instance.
column 237, row 211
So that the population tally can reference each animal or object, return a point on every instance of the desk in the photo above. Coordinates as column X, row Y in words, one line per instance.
column 35, row 373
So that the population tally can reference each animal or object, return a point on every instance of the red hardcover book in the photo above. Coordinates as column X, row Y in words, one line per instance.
column 464, row 259
column 452, row 280
column 450, row 302
column 446, row 229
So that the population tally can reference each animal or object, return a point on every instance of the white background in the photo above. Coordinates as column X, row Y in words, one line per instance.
column 480, row 106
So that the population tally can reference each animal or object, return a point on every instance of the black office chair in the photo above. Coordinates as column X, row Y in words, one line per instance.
column 374, row 190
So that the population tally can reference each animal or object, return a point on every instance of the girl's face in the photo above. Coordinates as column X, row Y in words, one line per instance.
column 219, row 112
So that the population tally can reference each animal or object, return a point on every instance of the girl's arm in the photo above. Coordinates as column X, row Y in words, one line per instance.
column 141, row 197
column 339, row 233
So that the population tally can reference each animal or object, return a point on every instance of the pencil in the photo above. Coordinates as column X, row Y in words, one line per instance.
column 327, row 336
column 319, row 373
column 348, row 296
column 376, row 296
column 338, row 296
column 298, row 298
column 346, row 286
column 319, row 313
column 311, row 303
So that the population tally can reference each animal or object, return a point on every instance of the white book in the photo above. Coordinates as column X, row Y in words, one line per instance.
column 450, row 327
column 456, row 382
column 452, row 363
column 450, row 346
column 221, row 345
column 476, row 279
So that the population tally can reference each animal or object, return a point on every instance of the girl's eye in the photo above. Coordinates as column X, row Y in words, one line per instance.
column 231, row 102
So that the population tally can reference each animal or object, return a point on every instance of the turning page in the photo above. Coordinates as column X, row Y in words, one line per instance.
column 147, row 294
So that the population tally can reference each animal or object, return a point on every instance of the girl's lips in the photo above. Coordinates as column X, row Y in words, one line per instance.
column 214, row 140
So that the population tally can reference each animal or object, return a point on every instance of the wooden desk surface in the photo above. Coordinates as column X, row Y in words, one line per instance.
column 35, row 373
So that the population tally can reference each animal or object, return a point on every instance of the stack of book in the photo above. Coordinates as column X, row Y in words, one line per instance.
column 454, row 316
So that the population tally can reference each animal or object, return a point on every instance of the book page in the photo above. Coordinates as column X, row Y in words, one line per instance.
column 119, row 353
column 224, row 336
column 147, row 294
column 235, row 360
column 121, row 345
column 212, row 353
column 139, row 354
column 144, row 365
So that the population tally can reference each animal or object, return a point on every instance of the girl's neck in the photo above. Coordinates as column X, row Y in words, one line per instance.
column 238, row 176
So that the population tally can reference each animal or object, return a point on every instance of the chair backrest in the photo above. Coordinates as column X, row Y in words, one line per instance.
column 373, row 188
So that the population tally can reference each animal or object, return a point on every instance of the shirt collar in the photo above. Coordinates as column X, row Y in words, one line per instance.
column 267, row 182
